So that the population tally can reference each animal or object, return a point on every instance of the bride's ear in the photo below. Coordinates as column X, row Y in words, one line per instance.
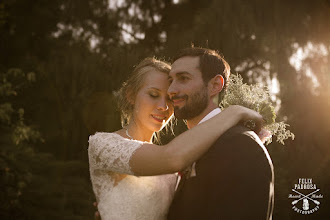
column 129, row 96
column 216, row 84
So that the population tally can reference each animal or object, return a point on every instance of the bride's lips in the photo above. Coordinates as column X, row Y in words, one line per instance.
column 159, row 118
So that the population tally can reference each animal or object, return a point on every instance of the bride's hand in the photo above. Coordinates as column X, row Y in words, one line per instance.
column 264, row 135
column 246, row 114
column 96, row 213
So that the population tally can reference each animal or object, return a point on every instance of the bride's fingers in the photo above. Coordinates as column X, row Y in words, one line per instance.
column 97, row 216
column 251, row 115
column 258, row 121
column 258, row 125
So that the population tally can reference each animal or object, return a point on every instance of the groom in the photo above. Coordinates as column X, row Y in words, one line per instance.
column 235, row 178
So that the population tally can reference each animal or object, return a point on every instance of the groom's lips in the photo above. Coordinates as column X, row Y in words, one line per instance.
column 177, row 101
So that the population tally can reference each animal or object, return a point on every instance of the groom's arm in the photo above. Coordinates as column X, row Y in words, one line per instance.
column 239, row 178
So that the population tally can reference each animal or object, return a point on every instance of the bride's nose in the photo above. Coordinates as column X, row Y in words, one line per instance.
column 163, row 105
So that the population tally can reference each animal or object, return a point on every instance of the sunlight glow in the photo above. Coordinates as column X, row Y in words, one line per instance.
column 301, row 55
column 94, row 41
column 114, row 4
column 128, row 34
column 79, row 33
column 163, row 36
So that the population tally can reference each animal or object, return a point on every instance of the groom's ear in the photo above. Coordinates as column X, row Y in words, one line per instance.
column 216, row 85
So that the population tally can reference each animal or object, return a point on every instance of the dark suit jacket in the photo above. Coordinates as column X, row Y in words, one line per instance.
column 234, row 180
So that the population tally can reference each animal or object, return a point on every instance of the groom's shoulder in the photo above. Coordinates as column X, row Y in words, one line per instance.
column 238, row 132
column 240, row 140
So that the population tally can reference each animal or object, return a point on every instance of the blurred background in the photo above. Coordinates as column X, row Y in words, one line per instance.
column 61, row 60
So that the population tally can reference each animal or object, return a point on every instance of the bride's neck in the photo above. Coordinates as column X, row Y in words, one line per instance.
column 139, row 133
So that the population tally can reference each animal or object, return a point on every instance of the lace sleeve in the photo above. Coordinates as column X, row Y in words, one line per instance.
column 110, row 151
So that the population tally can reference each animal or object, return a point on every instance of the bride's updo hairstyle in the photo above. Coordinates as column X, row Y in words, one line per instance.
column 127, row 93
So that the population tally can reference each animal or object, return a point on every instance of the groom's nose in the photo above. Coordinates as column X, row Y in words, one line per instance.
column 172, row 90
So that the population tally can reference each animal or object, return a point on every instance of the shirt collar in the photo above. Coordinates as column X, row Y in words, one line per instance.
column 213, row 113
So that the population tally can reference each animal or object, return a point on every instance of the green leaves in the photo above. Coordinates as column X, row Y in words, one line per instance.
column 5, row 113
column 13, row 80
column 268, row 112
column 257, row 98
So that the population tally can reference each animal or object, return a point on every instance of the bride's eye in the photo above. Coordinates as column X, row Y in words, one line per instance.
column 153, row 95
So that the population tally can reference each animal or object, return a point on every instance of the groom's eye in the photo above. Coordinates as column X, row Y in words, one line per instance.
column 183, row 78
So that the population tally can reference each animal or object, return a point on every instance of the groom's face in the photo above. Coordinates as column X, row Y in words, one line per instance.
column 187, row 89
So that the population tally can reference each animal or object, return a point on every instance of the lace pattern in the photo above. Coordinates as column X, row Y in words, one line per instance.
column 110, row 151
column 120, row 194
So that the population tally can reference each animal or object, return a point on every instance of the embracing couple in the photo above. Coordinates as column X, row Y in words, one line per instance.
column 217, row 169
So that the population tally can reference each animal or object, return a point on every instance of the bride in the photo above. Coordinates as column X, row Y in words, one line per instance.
column 133, row 178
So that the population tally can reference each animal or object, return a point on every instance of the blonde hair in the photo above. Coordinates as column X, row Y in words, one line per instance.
column 126, row 95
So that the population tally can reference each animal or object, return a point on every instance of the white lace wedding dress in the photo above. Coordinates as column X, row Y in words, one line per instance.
column 120, row 194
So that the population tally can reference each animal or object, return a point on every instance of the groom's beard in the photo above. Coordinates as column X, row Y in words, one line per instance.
column 196, row 103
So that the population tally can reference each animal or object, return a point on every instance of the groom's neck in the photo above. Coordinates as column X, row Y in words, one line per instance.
column 194, row 121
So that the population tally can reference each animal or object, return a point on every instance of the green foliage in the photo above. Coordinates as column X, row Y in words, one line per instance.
column 5, row 111
column 250, row 96
column 23, row 132
column 15, row 176
column 256, row 98
column 279, row 129
column 35, row 185
column 13, row 80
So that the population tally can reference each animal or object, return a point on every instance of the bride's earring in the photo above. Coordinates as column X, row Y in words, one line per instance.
column 128, row 134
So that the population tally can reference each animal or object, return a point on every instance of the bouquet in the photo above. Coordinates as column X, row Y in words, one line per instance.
column 256, row 98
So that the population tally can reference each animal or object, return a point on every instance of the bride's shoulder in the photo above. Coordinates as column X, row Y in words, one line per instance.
column 105, row 136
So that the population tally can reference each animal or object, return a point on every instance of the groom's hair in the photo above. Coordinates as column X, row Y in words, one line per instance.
column 211, row 63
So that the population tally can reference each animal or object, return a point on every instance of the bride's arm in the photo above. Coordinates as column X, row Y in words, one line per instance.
column 186, row 148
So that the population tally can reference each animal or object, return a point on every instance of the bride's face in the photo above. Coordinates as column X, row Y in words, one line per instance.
column 152, row 107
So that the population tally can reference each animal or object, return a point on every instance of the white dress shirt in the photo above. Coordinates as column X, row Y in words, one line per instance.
column 210, row 115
